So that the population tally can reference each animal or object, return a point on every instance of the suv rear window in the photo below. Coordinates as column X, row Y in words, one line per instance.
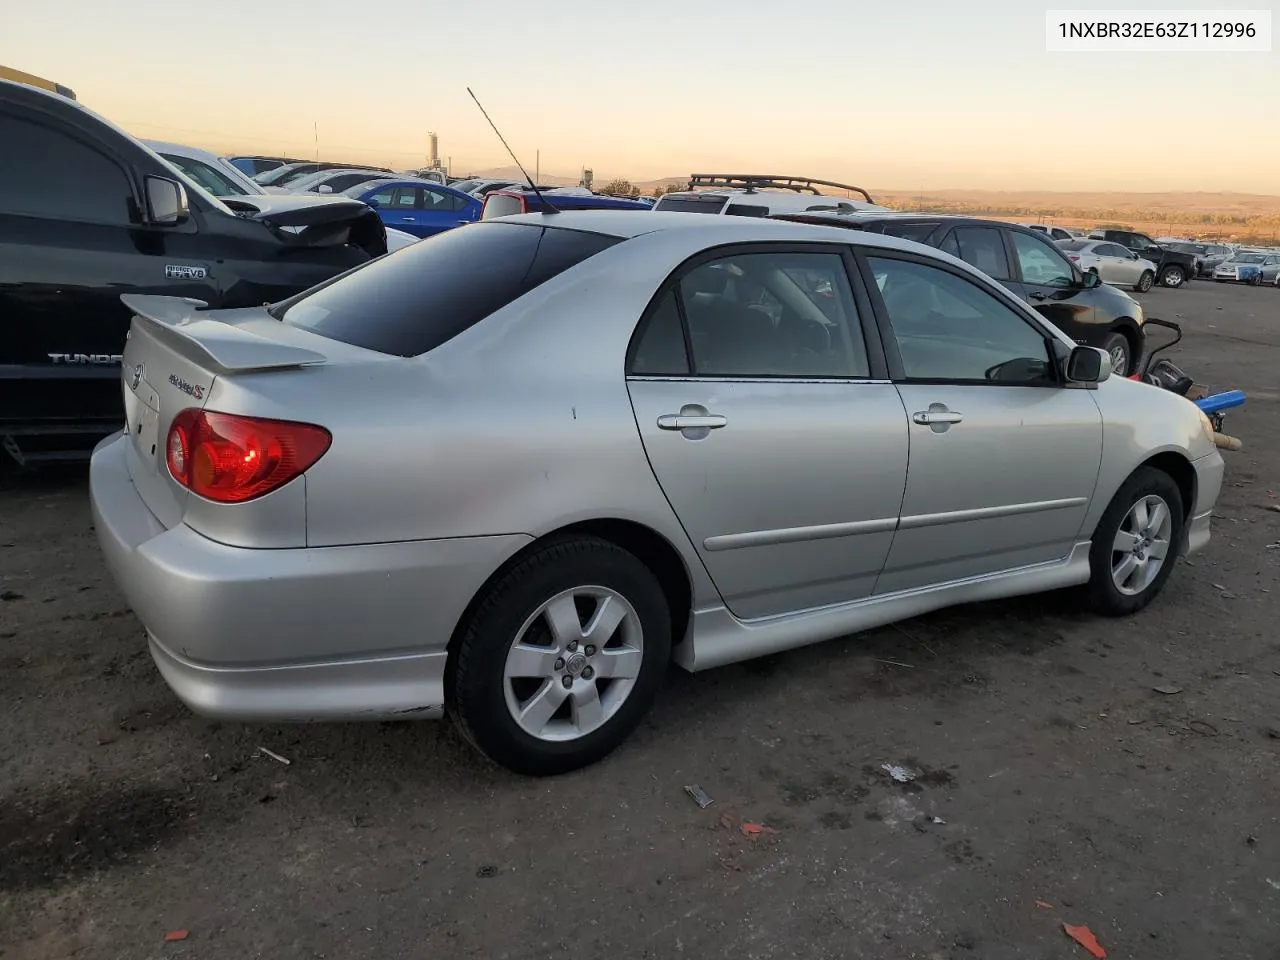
column 410, row 302
column 919, row 232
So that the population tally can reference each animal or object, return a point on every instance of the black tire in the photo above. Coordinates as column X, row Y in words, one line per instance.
column 1113, row 342
column 1173, row 276
column 1145, row 282
column 1104, row 596
column 1255, row 280
column 477, row 700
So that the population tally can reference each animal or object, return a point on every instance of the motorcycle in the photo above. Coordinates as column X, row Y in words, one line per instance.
column 1164, row 373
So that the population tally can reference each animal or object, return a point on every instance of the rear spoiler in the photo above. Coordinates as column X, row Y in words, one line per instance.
column 212, row 343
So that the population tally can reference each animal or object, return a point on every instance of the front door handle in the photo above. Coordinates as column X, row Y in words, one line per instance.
column 406, row 219
column 676, row 421
column 927, row 418
column 1039, row 296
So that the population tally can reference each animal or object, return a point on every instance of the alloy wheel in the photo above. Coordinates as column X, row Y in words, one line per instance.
column 1141, row 545
column 573, row 663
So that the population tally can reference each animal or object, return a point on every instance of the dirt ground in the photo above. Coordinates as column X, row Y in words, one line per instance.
column 1056, row 785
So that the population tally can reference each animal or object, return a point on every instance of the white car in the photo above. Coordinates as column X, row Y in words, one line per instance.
column 1053, row 233
column 219, row 177
column 481, row 188
column 762, row 195
column 1112, row 263
column 335, row 181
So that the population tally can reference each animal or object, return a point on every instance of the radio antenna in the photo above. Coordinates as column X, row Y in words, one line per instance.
column 551, row 208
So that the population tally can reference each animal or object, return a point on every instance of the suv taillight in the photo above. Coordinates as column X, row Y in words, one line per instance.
column 229, row 459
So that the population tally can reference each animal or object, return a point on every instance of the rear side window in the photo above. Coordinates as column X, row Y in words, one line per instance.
column 45, row 173
column 426, row 294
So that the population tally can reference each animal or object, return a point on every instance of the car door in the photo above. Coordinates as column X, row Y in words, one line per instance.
column 1003, row 456
column 771, row 426
column 442, row 210
column 1051, row 286
column 403, row 210
column 70, row 244
column 1113, row 263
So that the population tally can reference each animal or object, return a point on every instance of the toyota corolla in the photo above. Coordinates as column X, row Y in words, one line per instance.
column 511, row 471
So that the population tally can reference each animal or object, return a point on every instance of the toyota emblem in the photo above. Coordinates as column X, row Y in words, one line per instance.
column 137, row 376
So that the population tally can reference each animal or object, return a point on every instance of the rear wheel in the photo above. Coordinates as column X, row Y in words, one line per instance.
column 562, row 657
column 1117, row 347
column 1145, row 281
column 1173, row 275
column 1135, row 544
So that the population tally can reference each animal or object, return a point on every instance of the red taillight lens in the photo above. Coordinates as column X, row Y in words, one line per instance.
column 1075, row 259
column 230, row 459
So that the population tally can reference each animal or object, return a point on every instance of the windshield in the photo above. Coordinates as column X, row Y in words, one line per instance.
column 1248, row 258
column 466, row 185
column 274, row 178
column 212, row 180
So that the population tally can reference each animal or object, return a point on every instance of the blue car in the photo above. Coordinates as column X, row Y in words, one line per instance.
column 419, row 207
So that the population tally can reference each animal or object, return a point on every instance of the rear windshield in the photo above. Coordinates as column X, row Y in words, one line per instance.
column 690, row 204
column 427, row 293
column 1076, row 244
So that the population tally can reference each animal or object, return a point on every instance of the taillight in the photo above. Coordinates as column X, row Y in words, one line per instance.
column 1075, row 259
column 230, row 459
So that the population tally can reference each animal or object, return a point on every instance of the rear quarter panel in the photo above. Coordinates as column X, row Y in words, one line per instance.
column 521, row 425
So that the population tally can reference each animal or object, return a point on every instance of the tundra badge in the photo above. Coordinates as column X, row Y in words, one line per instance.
column 177, row 271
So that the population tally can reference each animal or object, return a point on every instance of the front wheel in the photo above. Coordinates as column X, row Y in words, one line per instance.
column 1117, row 347
column 562, row 657
column 1255, row 280
column 1135, row 544
column 1145, row 281
column 1173, row 276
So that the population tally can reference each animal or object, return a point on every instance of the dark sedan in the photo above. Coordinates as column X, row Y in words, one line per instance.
column 1086, row 310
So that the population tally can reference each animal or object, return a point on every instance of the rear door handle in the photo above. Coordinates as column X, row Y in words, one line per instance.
column 675, row 421
column 929, row 417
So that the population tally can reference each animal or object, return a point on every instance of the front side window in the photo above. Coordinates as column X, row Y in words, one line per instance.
column 46, row 173
column 772, row 315
column 948, row 328
column 1040, row 262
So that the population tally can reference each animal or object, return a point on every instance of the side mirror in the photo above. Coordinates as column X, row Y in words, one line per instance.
column 166, row 201
column 373, row 202
column 1091, row 280
column 324, row 188
column 1088, row 365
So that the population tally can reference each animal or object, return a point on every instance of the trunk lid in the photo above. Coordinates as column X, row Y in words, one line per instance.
column 174, row 353
column 312, row 220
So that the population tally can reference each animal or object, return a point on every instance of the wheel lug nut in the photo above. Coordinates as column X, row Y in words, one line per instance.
column 567, row 681
column 591, row 650
column 573, row 645
column 587, row 673
column 559, row 663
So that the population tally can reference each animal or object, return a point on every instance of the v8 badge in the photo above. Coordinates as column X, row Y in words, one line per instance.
column 178, row 271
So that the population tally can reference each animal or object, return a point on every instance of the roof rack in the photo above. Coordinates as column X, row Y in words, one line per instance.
column 768, row 181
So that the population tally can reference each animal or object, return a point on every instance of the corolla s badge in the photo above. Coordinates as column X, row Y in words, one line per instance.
column 137, row 377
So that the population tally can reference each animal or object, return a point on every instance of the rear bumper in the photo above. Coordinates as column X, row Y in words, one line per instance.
column 1209, row 472
column 332, row 633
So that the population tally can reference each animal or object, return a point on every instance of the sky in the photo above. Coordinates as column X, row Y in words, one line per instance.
column 910, row 95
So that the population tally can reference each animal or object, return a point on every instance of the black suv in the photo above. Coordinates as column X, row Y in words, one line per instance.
column 88, row 213
column 1086, row 310
column 1174, row 267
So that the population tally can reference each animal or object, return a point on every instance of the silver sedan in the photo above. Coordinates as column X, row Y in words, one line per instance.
column 1112, row 263
column 513, row 470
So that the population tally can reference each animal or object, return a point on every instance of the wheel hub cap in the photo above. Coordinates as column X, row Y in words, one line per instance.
column 574, row 665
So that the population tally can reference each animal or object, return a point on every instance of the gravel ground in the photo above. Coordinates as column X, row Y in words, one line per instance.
column 1055, row 784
